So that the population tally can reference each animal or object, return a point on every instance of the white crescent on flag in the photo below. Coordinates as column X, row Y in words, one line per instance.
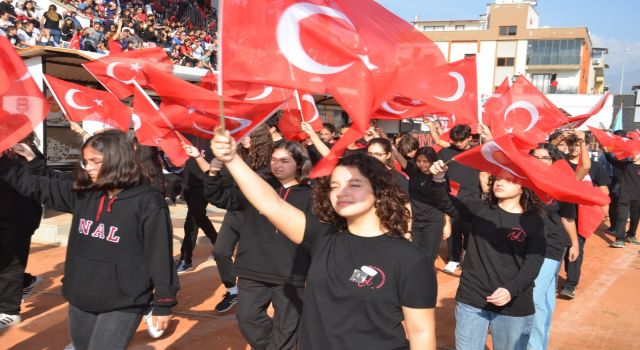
column 459, row 91
column 487, row 151
column 387, row 108
column 533, row 111
column 264, row 94
column 110, row 72
column 68, row 98
column 309, row 99
column 290, row 44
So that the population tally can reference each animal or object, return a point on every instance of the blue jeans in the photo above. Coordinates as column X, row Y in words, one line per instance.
column 56, row 36
column 508, row 332
column 544, row 298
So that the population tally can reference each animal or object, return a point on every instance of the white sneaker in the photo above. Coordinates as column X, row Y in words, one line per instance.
column 26, row 291
column 153, row 331
column 451, row 267
column 7, row 320
column 70, row 347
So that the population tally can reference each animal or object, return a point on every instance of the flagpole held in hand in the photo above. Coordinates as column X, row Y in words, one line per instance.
column 219, row 59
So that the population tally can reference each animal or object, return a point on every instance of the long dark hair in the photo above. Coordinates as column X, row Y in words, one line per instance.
column 529, row 202
column 427, row 152
column 390, row 203
column 554, row 152
column 258, row 155
column 120, row 167
column 303, row 164
column 386, row 145
column 151, row 163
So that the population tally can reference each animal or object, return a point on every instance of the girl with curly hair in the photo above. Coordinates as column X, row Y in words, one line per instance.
column 504, row 255
column 364, row 277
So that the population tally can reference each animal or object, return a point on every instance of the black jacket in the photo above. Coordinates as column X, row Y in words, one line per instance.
column 119, row 249
column 19, row 213
column 264, row 254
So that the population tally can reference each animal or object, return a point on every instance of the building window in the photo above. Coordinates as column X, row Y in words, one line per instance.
column 433, row 28
column 508, row 30
column 467, row 55
column 554, row 52
column 459, row 26
column 505, row 61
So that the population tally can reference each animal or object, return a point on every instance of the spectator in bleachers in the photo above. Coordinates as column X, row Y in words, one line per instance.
column 92, row 37
column 5, row 20
column 7, row 6
column 28, row 12
column 52, row 21
column 28, row 34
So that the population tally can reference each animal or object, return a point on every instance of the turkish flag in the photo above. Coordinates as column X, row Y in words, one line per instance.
column 621, row 147
column 289, row 124
column 114, row 47
column 452, row 88
column 22, row 106
column 495, row 98
column 524, row 111
column 74, row 43
column 153, row 129
column 502, row 158
column 400, row 107
column 117, row 72
column 577, row 121
column 246, row 91
column 243, row 116
column 350, row 49
column 634, row 135
column 589, row 219
column 82, row 103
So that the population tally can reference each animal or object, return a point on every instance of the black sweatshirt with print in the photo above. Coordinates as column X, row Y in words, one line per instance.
column 119, row 254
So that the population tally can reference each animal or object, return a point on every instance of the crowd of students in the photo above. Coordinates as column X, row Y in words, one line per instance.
column 116, row 26
column 346, row 261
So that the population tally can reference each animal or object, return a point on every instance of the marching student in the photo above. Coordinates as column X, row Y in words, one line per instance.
column 270, row 268
column 561, row 235
column 465, row 185
column 19, row 218
column 382, row 150
column 628, row 204
column 365, row 278
column 504, row 254
column 119, row 255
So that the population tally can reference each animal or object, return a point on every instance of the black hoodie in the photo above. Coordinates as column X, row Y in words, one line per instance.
column 264, row 254
column 119, row 249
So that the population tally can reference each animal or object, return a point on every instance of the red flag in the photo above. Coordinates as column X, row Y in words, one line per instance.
column 350, row 49
column 577, row 121
column 243, row 116
column 146, row 120
column 452, row 88
column 401, row 107
column 634, row 135
column 74, row 43
column 289, row 123
column 114, row 47
column 22, row 106
column 245, row 91
column 495, row 98
column 589, row 219
column 82, row 103
column 117, row 72
column 524, row 111
column 502, row 158
column 621, row 147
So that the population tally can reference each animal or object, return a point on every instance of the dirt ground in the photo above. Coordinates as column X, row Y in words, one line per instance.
column 604, row 314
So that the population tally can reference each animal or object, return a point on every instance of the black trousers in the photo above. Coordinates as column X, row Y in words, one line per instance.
column 174, row 185
column 574, row 269
column 223, row 251
column 108, row 330
column 428, row 235
column 624, row 210
column 14, row 253
column 196, row 218
column 261, row 331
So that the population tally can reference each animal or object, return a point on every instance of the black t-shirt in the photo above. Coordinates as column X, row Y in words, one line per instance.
column 618, row 167
column 400, row 180
column 505, row 250
column 427, row 203
column 556, row 235
column 357, row 286
column 50, row 23
column 467, row 177
column 7, row 7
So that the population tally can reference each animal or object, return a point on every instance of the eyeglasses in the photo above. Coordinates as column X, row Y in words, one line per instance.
column 545, row 158
column 87, row 165
column 378, row 155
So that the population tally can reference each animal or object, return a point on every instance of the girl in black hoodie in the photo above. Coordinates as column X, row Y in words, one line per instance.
column 270, row 268
column 119, row 254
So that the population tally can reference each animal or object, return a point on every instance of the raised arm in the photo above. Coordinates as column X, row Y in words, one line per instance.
column 435, row 134
column 286, row 218
column 585, row 158
column 315, row 139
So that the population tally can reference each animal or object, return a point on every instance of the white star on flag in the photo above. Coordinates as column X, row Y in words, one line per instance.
column 136, row 67
column 98, row 102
